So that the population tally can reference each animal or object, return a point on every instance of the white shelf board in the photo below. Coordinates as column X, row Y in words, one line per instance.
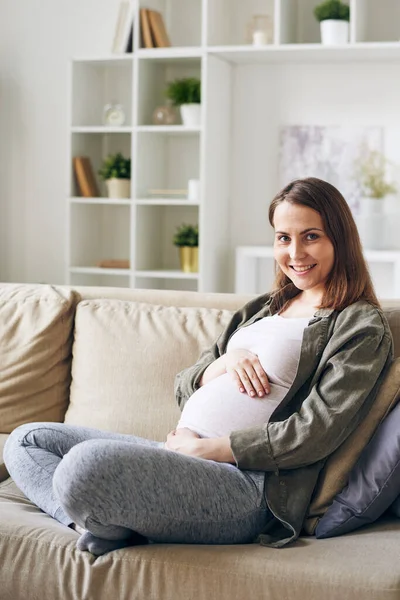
column 175, row 54
column 168, row 129
column 110, row 201
column 165, row 202
column 105, row 60
column 101, row 129
column 99, row 271
column 382, row 256
column 167, row 274
column 301, row 53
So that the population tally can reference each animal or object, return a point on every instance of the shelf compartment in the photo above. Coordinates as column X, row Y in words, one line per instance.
column 165, row 202
column 107, row 201
column 96, row 146
column 166, row 162
column 96, row 83
column 98, row 232
column 145, row 280
column 229, row 21
column 153, row 78
column 168, row 129
column 154, row 247
column 167, row 274
column 298, row 24
column 86, row 278
column 182, row 20
column 377, row 21
column 99, row 271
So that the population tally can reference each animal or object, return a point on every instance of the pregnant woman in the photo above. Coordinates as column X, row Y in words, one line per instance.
column 288, row 380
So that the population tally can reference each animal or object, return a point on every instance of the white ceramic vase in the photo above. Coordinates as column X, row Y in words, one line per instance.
column 191, row 115
column 371, row 223
column 118, row 188
column 372, row 206
column 334, row 32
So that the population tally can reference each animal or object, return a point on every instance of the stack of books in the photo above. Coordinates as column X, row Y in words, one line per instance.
column 152, row 29
column 123, row 36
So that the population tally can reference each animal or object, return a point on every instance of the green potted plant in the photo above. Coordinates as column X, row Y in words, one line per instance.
column 186, row 239
column 334, row 17
column 186, row 93
column 116, row 172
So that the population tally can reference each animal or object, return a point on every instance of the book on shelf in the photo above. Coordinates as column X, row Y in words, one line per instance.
column 123, row 34
column 146, row 37
column 153, row 31
column 85, row 177
column 158, row 30
column 113, row 263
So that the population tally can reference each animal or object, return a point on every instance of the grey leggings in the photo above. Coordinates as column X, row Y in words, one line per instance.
column 113, row 484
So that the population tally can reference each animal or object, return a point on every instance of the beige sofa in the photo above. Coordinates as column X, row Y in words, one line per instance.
column 106, row 358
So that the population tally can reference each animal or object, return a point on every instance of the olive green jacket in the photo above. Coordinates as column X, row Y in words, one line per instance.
column 344, row 357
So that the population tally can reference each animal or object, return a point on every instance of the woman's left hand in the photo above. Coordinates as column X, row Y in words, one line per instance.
column 182, row 440
column 187, row 442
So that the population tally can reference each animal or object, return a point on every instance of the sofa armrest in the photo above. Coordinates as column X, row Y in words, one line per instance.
column 3, row 470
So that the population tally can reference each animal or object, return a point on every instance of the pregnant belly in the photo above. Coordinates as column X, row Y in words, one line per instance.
column 218, row 408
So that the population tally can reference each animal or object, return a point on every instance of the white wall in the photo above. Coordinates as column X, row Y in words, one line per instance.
column 271, row 96
column 37, row 37
column 36, row 40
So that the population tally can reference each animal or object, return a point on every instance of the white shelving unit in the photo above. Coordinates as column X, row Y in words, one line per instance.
column 207, row 39
column 254, row 271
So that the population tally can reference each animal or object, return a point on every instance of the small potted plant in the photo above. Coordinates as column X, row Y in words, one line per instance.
column 186, row 93
column 116, row 172
column 374, row 226
column 371, row 170
column 186, row 239
column 334, row 17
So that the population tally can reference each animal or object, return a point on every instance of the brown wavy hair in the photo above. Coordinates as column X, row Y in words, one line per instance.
column 349, row 279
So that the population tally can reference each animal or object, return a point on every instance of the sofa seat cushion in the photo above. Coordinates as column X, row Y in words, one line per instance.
column 125, row 358
column 38, row 554
column 36, row 323
column 3, row 470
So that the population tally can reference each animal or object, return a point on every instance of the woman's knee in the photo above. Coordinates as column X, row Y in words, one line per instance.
column 20, row 437
column 74, row 477
column 32, row 434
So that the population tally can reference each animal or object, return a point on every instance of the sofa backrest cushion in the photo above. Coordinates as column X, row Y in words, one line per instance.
column 36, row 323
column 126, row 356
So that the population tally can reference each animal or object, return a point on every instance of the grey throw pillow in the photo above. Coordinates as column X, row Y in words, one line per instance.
column 395, row 508
column 374, row 483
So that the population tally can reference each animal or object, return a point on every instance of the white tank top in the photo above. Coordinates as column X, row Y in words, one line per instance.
column 217, row 408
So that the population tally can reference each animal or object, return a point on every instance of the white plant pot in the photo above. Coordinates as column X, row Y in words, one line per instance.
column 372, row 206
column 334, row 32
column 372, row 223
column 118, row 188
column 191, row 115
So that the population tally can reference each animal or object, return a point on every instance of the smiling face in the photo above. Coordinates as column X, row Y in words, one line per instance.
column 302, row 248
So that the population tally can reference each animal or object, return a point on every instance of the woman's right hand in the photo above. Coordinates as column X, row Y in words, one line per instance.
column 246, row 370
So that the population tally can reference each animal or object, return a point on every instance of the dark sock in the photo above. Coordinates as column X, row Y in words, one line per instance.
column 98, row 546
